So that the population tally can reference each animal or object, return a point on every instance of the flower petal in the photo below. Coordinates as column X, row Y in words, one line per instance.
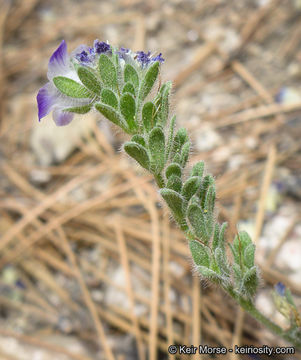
column 59, row 61
column 46, row 99
column 61, row 118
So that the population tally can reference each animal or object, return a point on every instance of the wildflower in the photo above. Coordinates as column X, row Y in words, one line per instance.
column 49, row 98
column 87, row 78
column 158, row 58
column 145, row 58
column 101, row 47
column 280, row 288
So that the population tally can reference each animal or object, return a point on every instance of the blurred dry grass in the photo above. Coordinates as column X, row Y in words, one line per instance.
column 64, row 238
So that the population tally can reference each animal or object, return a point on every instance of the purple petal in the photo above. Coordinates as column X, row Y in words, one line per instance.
column 45, row 99
column 59, row 61
column 280, row 288
column 62, row 118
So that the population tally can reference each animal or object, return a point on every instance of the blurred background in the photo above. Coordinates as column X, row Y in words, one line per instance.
column 91, row 265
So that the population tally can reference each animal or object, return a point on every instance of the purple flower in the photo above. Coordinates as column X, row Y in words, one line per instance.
column 49, row 98
column 143, row 58
column 101, row 47
column 123, row 53
column 83, row 57
column 280, row 288
column 158, row 58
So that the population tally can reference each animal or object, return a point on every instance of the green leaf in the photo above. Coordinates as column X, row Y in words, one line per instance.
column 197, row 221
column 71, row 88
column 139, row 139
column 108, row 97
column 241, row 241
column 129, row 88
column 89, row 80
column 148, row 116
column 174, row 183
column 194, row 200
column 164, row 103
column 131, row 75
column 222, row 261
column 175, row 203
column 79, row 109
column 111, row 114
column 215, row 241
column 209, row 274
column 199, row 253
column 191, row 186
column 173, row 169
column 207, row 181
column 156, row 144
column 137, row 152
column 249, row 255
column 128, row 110
column 198, row 169
column 177, row 159
column 185, row 154
column 149, row 80
column 219, row 236
column 179, row 140
column 107, row 72
column 222, row 235
column 250, row 282
column 235, row 254
column 238, row 275
column 210, row 199
column 170, row 136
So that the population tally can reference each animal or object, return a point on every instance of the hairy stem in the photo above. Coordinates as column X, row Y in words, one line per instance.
column 250, row 308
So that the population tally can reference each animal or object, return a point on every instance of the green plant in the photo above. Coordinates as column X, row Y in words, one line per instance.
column 123, row 87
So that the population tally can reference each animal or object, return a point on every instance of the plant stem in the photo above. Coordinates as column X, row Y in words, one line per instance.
column 159, row 180
column 249, row 307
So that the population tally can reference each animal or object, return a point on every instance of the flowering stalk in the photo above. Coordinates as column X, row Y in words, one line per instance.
column 120, row 84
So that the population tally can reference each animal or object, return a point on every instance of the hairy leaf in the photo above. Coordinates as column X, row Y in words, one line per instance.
column 191, row 186
column 199, row 253
column 139, row 139
column 149, row 116
column 149, row 80
column 185, row 154
column 170, row 136
column 108, row 73
column 111, row 114
column 137, row 152
column 156, row 143
column 128, row 110
column 175, row 183
column 164, row 103
column 129, row 88
column 89, row 80
column 173, row 169
column 71, row 88
column 249, row 255
column 79, row 109
column 175, row 203
column 197, row 222
column 108, row 97
column 131, row 75
column 198, row 169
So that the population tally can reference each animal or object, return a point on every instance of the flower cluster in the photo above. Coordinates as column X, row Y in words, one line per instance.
column 76, row 81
